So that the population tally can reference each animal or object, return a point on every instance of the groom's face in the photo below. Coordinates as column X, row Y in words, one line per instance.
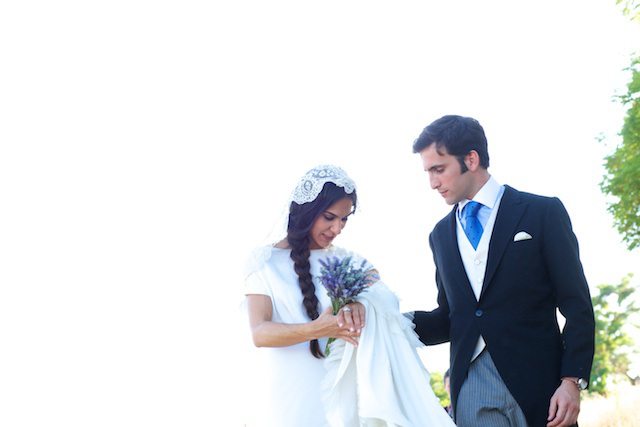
column 445, row 174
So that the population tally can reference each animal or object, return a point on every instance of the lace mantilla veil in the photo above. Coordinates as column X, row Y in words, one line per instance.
column 307, row 190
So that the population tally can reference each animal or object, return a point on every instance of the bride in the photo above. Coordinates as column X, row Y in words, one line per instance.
column 373, row 375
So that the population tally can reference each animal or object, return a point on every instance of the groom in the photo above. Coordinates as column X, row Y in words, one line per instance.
column 505, row 261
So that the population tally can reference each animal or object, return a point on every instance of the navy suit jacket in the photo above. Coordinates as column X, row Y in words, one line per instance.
column 525, row 282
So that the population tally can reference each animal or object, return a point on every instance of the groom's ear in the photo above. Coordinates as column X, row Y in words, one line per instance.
column 472, row 160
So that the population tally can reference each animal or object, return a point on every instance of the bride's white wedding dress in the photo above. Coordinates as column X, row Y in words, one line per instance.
column 382, row 382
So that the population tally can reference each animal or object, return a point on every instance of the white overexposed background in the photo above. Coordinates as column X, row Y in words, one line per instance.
column 147, row 147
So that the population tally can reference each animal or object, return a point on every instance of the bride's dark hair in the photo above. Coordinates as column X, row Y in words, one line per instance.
column 301, row 219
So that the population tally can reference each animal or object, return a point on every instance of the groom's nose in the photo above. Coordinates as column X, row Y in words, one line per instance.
column 434, row 181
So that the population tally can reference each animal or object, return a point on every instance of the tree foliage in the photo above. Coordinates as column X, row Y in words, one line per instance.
column 630, row 8
column 437, row 384
column 623, row 166
column 613, row 308
column 622, row 179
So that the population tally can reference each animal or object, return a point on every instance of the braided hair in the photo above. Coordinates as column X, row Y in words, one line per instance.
column 301, row 219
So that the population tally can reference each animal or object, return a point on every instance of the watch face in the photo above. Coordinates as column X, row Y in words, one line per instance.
column 582, row 384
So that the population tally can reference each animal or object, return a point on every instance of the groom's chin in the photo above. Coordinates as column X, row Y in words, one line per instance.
column 450, row 201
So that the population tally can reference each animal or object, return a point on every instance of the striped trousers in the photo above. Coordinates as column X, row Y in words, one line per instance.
column 484, row 400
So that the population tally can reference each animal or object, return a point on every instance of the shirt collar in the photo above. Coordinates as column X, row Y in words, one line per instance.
column 487, row 195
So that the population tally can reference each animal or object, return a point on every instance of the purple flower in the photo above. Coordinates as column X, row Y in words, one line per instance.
column 342, row 280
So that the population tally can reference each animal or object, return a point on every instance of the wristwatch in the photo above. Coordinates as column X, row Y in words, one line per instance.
column 581, row 383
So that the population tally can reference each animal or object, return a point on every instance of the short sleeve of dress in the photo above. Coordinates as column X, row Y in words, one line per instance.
column 255, row 284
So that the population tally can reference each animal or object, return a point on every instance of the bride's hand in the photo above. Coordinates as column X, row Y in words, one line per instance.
column 351, row 317
column 328, row 325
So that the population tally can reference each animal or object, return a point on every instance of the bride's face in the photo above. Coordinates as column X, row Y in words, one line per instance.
column 330, row 223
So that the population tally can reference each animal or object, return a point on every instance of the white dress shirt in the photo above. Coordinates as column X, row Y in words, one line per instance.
column 475, row 260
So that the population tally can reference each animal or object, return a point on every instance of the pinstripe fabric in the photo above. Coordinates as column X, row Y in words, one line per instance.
column 484, row 400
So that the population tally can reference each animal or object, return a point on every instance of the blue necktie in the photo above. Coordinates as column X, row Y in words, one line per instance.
column 472, row 227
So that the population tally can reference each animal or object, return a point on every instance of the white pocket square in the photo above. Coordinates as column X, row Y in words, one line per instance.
column 523, row 235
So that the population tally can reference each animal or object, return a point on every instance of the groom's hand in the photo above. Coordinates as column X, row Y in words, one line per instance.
column 564, row 406
column 351, row 317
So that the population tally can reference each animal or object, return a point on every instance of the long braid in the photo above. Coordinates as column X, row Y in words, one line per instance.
column 301, row 219
column 300, row 255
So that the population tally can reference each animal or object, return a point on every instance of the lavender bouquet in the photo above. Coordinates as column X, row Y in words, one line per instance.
column 343, row 282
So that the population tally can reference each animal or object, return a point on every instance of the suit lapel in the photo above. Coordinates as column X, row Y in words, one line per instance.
column 450, row 246
column 509, row 213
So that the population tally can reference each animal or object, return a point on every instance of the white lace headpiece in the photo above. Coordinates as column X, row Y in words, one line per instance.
column 306, row 191
column 312, row 182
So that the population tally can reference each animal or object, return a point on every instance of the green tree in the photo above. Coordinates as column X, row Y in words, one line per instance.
column 437, row 384
column 622, row 179
column 623, row 166
column 613, row 308
column 630, row 8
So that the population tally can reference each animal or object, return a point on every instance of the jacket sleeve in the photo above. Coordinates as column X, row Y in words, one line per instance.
column 433, row 326
column 561, row 255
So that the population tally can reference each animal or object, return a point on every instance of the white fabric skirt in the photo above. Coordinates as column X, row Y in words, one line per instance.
column 382, row 382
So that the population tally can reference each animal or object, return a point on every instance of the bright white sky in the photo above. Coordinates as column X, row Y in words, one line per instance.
column 148, row 146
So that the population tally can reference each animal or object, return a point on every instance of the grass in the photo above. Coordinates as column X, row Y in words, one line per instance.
column 620, row 409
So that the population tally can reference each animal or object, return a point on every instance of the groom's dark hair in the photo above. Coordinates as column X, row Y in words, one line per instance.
column 458, row 135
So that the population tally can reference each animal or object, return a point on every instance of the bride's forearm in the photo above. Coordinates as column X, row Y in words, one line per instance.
column 273, row 334
column 267, row 333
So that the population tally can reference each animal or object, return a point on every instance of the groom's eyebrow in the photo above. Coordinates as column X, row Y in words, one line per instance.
column 434, row 167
